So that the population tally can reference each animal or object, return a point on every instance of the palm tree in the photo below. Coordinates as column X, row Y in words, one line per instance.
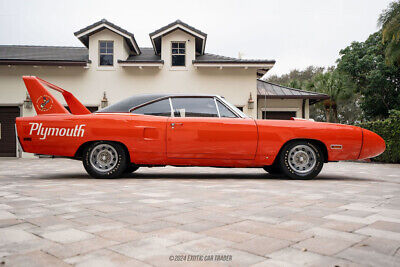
column 389, row 20
column 337, row 87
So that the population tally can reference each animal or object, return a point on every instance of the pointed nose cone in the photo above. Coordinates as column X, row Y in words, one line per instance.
column 373, row 145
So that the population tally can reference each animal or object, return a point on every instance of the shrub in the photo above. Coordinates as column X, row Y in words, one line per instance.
column 389, row 130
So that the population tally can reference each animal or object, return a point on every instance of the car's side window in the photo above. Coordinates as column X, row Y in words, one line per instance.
column 224, row 112
column 159, row 108
column 194, row 107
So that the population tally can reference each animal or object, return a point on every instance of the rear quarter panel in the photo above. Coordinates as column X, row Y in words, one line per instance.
column 36, row 134
column 273, row 134
column 144, row 136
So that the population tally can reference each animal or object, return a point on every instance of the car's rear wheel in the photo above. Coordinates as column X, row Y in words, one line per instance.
column 105, row 159
column 301, row 160
column 131, row 168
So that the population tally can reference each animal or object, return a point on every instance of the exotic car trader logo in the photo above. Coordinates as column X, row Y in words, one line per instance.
column 44, row 103
column 43, row 132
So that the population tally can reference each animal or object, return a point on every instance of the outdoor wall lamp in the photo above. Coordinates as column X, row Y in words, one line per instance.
column 28, row 102
column 250, row 102
column 104, row 101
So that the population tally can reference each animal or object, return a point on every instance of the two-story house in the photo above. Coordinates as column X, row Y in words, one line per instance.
column 112, row 66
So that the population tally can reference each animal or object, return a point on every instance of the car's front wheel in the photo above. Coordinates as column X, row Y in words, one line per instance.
column 301, row 160
column 105, row 159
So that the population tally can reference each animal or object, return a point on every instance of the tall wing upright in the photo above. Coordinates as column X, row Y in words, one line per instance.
column 45, row 103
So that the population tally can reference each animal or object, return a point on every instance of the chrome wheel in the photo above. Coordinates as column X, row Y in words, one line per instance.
column 302, row 159
column 103, row 158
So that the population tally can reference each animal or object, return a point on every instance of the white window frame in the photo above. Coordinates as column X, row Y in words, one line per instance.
column 105, row 53
column 178, row 54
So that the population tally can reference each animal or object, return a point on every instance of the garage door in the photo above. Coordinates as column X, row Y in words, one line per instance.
column 90, row 108
column 7, row 124
column 278, row 115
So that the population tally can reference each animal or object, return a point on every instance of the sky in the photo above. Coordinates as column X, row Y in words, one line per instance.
column 295, row 33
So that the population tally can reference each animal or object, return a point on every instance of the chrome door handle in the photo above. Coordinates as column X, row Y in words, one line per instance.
column 176, row 124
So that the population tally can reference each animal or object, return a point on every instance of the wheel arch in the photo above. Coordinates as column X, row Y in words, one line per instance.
column 81, row 148
column 316, row 142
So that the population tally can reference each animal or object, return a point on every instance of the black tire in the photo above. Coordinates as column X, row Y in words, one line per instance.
column 113, row 153
column 273, row 169
column 310, row 165
column 131, row 168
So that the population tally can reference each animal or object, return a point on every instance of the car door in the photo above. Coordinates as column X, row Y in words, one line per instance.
column 197, row 131
column 148, row 132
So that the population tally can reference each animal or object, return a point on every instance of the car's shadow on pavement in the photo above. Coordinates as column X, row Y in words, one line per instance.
column 206, row 176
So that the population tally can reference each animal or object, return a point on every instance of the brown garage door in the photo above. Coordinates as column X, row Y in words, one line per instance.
column 278, row 115
column 7, row 138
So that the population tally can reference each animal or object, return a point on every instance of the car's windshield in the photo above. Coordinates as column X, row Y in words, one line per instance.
column 238, row 111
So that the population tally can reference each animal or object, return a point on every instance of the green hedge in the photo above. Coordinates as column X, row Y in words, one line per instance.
column 389, row 130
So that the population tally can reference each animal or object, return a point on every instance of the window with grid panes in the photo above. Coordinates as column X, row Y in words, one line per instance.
column 178, row 53
column 106, row 53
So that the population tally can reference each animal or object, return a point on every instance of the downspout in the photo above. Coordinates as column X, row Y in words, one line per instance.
column 303, row 109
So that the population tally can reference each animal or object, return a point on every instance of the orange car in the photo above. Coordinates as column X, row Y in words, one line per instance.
column 183, row 130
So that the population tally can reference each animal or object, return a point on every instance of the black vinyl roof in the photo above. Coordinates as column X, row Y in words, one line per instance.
column 133, row 101
column 136, row 100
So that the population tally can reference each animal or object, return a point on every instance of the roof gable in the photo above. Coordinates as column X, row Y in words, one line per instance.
column 83, row 34
column 200, row 36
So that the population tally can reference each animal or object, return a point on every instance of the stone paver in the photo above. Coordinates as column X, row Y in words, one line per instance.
column 324, row 246
column 262, row 245
column 53, row 214
column 67, row 236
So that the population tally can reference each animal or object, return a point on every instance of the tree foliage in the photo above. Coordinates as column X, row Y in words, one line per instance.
column 343, row 105
column 377, row 83
column 297, row 78
column 389, row 130
column 337, row 86
column 389, row 20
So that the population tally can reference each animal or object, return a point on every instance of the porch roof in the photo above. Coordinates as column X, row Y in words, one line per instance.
column 274, row 91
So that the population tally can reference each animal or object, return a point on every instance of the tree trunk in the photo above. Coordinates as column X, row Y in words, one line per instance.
column 335, row 112
column 335, row 115
column 327, row 105
column 328, row 114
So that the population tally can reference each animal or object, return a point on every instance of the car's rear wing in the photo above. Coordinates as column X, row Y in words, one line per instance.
column 45, row 103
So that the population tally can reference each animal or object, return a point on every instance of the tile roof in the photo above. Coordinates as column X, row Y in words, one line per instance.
column 212, row 58
column 80, row 54
column 147, row 56
column 271, row 90
column 43, row 53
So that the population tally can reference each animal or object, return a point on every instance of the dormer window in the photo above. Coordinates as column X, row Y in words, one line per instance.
column 106, row 53
column 178, row 52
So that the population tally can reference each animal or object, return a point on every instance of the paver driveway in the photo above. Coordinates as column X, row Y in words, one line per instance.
column 52, row 213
